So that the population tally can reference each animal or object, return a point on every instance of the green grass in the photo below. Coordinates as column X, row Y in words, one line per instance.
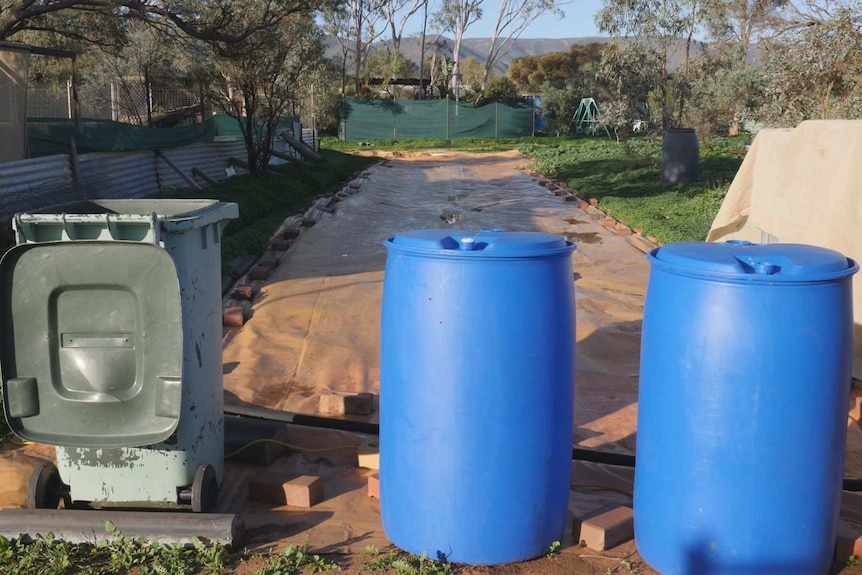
column 50, row 556
column 461, row 145
column 626, row 180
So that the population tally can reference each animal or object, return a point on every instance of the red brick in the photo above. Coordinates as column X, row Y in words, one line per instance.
column 623, row 229
column 374, row 486
column 609, row 223
column 268, row 261
column 550, row 186
column 605, row 528
column 304, row 491
column 290, row 234
column 359, row 404
column 258, row 272
column 368, row 454
column 652, row 239
column 243, row 292
column 233, row 317
column 849, row 542
column 339, row 404
column 281, row 245
column 561, row 193
column 638, row 231
column 308, row 222
column 594, row 202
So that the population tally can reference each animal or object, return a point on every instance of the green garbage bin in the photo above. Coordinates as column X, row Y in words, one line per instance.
column 110, row 349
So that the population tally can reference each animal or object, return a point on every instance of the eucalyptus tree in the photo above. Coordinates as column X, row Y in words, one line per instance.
column 355, row 25
column 457, row 16
column 815, row 71
column 398, row 14
column 513, row 17
column 255, row 81
column 218, row 21
column 658, row 24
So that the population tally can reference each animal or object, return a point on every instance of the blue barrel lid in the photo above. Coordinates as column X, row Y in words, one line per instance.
column 744, row 261
column 481, row 243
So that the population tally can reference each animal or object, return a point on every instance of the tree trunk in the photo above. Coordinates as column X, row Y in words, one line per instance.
column 358, row 57
column 422, row 55
column 735, row 124
column 456, row 68
column 686, row 64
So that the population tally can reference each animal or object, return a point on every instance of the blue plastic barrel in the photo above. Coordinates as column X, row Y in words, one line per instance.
column 744, row 386
column 476, row 393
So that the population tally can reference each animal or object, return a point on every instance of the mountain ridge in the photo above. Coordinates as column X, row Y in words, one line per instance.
column 477, row 48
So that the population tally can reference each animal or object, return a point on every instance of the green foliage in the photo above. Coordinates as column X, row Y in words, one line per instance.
column 723, row 93
column 558, row 107
column 500, row 87
column 293, row 560
column 50, row 556
column 573, row 69
column 405, row 563
column 553, row 549
column 626, row 179
column 816, row 72
column 388, row 65
column 462, row 144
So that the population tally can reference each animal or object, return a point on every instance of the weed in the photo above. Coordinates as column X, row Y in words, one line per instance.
column 553, row 550
column 292, row 560
column 406, row 563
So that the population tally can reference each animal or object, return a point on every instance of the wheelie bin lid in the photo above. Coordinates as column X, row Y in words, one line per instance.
column 91, row 343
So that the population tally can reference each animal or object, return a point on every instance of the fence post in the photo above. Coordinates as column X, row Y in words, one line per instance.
column 447, row 119
column 496, row 117
column 343, row 118
column 533, row 126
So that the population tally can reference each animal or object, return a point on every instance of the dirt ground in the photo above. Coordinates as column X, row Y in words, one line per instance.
column 314, row 329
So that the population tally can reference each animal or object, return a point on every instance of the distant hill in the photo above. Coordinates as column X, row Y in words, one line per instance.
column 478, row 48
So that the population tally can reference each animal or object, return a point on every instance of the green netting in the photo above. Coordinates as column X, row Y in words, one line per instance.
column 368, row 119
column 49, row 136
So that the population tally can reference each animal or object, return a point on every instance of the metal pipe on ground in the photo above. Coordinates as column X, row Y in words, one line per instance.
column 88, row 526
column 578, row 454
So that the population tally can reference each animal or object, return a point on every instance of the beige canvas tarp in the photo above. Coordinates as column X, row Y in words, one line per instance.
column 14, row 62
column 801, row 185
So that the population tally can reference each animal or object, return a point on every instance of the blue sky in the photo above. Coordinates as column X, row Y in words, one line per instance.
column 578, row 21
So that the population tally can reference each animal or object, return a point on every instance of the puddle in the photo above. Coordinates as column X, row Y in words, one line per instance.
column 450, row 217
column 584, row 238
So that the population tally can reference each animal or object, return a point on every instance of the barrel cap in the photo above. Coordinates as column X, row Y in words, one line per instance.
column 480, row 243
column 744, row 261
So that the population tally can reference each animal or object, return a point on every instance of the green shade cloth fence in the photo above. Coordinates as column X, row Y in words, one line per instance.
column 367, row 119
column 49, row 136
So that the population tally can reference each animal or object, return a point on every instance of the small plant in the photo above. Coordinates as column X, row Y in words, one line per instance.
column 553, row 549
column 292, row 560
column 406, row 563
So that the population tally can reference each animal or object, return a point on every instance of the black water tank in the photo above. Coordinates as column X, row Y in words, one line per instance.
column 679, row 156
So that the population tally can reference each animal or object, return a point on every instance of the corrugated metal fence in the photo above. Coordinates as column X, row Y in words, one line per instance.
column 27, row 185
